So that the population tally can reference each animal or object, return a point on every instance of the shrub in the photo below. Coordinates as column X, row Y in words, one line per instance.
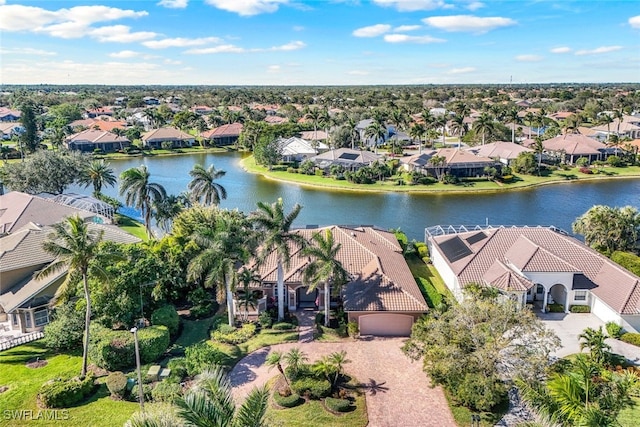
column 117, row 384
column 62, row 393
column 614, row 161
column 353, row 329
column 283, row 326
column 292, row 170
column 166, row 316
column 146, row 389
column 319, row 172
column 178, row 367
column 555, row 308
column 586, row 170
column 236, row 336
column 481, row 392
column 66, row 329
column 582, row 162
column 314, row 388
column 580, row 309
column 265, row 319
column 628, row 260
column 153, row 342
column 166, row 392
column 201, row 356
column 289, row 401
column 337, row 405
column 506, row 178
column 631, row 338
column 614, row 330
column 423, row 251
column 201, row 311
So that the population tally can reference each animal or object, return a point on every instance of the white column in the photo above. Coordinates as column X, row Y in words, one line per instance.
column 566, row 300
column 544, row 300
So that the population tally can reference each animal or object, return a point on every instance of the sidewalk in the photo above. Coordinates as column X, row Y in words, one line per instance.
column 306, row 325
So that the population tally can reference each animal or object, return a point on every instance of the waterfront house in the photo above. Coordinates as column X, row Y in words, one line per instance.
column 223, row 135
column 505, row 152
column 296, row 149
column 459, row 163
column 91, row 139
column 536, row 265
column 381, row 296
column 105, row 125
column 345, row 157
column 572, row 146
column 177, row 138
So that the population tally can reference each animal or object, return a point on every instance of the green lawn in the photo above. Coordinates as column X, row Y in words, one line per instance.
column 132, row 227
column 473, row 185
column 630, row 416
column 193, row 332
column 429, row 281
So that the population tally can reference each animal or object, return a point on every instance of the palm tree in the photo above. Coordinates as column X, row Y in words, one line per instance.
column 618, row 114
column 324, row 367
column 540, row 119
column 275, row 358
column 97, row 173
column 483, row 125
column 512, row 117
column 276, row 226
column 538, row 149
column 295, row 360
column 203, row 185
column 376, row 132
column 459, row 127
column 75, row 247
column 529, row 119
column 140, row 193
column 324, row 267
column 120, row 133
column 439, row 163
column 440, row 122
column 246, row 277
column 416, row 132
column 606, row 119
column 338, row 359
column 594, row 340
column 315, row 116
column 165, row 210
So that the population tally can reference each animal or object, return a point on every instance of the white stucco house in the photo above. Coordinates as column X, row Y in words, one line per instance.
column 536, row 265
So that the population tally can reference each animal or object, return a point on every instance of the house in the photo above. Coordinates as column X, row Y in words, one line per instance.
column 311, row 135
column 275, row 120
column 150, row 100
column 628, row 127
column 459, row 163
column 98, row 112
column 572, row 146
column 505, row 152
column 10, row 129
column 538, row 265
column 345, row 157
column 296, row 149
column 24, row 298
column 202, row 110
column 223, row 135
column 105, row 125
column 381, row 296
column 92, row 139
column 154, row 138
column 9, row 115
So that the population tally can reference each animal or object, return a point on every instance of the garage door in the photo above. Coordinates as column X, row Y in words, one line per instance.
column 386, row 324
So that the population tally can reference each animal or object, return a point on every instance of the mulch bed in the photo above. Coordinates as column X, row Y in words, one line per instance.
column 36, row 363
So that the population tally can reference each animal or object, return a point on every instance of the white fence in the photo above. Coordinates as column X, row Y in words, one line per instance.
column 23, row 339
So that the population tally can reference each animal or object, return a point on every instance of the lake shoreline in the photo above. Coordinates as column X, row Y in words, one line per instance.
column 406, row 189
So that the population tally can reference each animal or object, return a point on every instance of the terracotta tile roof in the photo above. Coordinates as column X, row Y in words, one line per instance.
column 499, row 149
column 310, row 135
column 94, row 136
column 381, row 279
column 275, row 119
column 232, row 129
column 499, row 275
column 166, row 134
column 574, row 144
column 540, row 249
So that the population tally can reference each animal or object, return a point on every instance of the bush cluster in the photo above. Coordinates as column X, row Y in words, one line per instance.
column 117, row 384
column 153, row 341
column 146, row 389
column 631, row 338
column 167, row 392
column 265, row 319
column 283, row 326
column 178, row 367
column 66, row 329
column 115, row 350
column 167, row 316
column 62, row 393
column 201, row 356
column 555, row 308
column 234, row 336
column 586, row 170
column 312, row 387
column 580, row 309
column 614, row 330
column 289, row 401
column 337, row 405
column 353, row 329
column 423, row 250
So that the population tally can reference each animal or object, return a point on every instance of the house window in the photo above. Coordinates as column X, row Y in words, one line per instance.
column 580, row 296
column 41, row 316
column 27, row 318
column 15, row 319
column 540, row 289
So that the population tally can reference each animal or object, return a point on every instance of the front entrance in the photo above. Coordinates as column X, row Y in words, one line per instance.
column 306, row 300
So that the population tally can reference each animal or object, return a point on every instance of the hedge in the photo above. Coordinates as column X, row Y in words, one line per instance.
column 283, row 326
column 555, row 308
column 289, row 401
column 631, row 338
column 117, row 384
column 178, row 367
column 115, row 350
column 236, row 336
column 614, row 330
column 337, row 405
column 200, row 357
column 580, row 309
column 167, row 316
column 63, row 393
column 166, row 392
column 153, row 342
column 315, row 388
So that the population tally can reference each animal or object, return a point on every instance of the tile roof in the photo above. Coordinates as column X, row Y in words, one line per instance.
column 297, row 146
column 166, row 133
column 347, row 156
column 540, row 249
column 499, row 149
column 499, row 275
column 231, row 129
column 95, row 136
column 574, row 144
column 381, row 279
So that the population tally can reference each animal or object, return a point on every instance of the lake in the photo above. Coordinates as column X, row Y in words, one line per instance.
column 557, row 205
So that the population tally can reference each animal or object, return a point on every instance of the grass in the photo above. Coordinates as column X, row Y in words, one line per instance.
column 470, row 185
column 429, row 281
column 312, row 413
column 629, row 417
column 193, row 332
column 462, row 415
column 132, row 227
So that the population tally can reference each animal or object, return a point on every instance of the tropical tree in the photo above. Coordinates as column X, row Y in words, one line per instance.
column 295, row 360
column 29, row 138
column 203, row 186
column 459, row 127
column 140, row 193
column 325, row 268
column 608, row 229
column 97, row 173
column 275, row 359
column 275, row 227
column 315, row 115
column 606, row 119
column 484, row 125
column 376, row 132
column 246, row 277
column 594, row 341
column 439, row 163
column 338, row 359
column 75, row 247
column 166, row 209
column 324, row 367
column 416, row 132
column 538, row 149
column 512, row 117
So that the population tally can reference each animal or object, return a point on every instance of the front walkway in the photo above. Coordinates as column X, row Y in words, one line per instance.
column 398, row 392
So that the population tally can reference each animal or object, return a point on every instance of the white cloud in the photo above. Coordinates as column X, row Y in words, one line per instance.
column 598, row 50
column 462, row 70
column 358, row 73
column 295, row 45
column 405, row 28
column 372, row 30
column 634, row 21
column 468, row 23
column 273, row 69
column 124, row 54
column 27, row 51
column 413, row 5
column 180, row 42
column 230, row 48
column 172, row 62
column 120, row 34
column 404, row 38
column 529, row 58
column 475, row 5
column 247, row 7
column 561, row 49
column 173, row 4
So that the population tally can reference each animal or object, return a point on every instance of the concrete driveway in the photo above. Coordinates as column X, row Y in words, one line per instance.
column 398, row 392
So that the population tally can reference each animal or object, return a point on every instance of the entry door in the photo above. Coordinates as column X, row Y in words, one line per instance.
column 292, row 300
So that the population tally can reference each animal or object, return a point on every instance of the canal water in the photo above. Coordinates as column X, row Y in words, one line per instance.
column 557, row 205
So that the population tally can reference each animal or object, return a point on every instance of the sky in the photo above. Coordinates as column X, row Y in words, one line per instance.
column 318, row 42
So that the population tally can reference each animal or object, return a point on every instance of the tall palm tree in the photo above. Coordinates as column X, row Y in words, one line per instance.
column 376, row 132
column 275, row 225
column 529, row 118
column 618, row 114
column 97, row 173
column 275, row 359
column 512, row 117
column 140, row 193
column 459, row 127
column 325, row 268
column 165, row 210
column 315, row 116
column 75, row 247
column 538, row 149
column 246, row 277
column 540, row 118
column 416, row 132
column 120, row 133
column 440, row 122
column 203, row 185
column 606, row 119
column 484, row 126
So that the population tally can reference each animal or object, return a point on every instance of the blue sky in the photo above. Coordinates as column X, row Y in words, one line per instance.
column 318, row 42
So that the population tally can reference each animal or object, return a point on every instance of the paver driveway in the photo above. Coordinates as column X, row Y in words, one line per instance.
column 399, row 393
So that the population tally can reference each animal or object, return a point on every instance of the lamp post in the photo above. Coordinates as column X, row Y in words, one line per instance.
column 134, row 331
